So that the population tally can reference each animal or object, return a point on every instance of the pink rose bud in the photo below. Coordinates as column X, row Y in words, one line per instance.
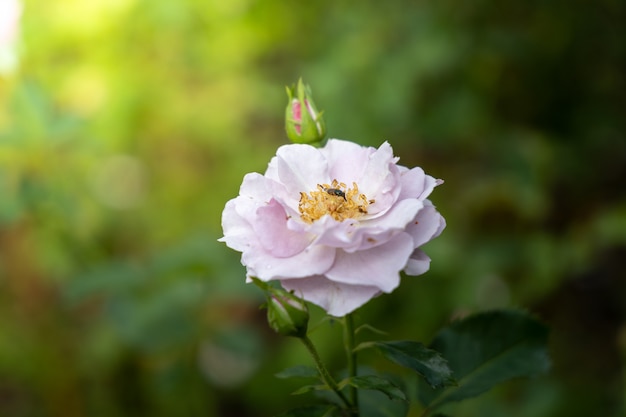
column 303, row 123
column 287, row 314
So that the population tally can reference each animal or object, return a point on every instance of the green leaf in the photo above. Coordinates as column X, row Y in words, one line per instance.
column 378, row 404
column 299, row 371
column 414, row 355
column 373, row 382
column 312, row 411
column 309, row 388
column 486, row 349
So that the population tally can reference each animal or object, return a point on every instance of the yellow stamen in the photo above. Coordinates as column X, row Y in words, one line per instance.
column 336, row 200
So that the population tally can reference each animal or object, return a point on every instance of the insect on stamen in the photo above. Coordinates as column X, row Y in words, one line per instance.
column 316, row 204
column 336, row 192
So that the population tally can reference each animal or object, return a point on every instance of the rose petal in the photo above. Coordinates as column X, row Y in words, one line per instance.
column 347, row 161
column 254, row 186
column 426, row 225
column 273, row 233
column 336, row 298
column 378, row 267
column 237, row 230
column 442, row 225
column 378, row 231
column 418, row 263
column 255, row 192
column 429, row 185
column 380, row 179
column 313, row 260
column 398, row 216
column 287, row 198
column 335, row 234
column 300, row 168
column 412, row 182
column 416, row 184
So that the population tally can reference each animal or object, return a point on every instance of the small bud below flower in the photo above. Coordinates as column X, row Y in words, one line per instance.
column 287, row 314
column 303, row 123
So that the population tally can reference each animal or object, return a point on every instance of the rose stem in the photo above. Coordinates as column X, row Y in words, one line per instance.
column 328, row 379
column 352, row 369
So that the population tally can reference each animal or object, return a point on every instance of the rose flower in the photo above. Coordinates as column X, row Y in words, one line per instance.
column 335, row 225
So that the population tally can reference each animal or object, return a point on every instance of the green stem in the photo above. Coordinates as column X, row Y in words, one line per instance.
column 326, row 377
column 350, row 345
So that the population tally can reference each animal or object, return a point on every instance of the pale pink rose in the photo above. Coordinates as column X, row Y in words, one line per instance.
column 335, row 224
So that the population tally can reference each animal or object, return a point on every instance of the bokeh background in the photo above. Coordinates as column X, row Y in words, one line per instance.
column 125, row 126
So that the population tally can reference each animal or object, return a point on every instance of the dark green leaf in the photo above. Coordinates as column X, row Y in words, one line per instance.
column 373, row 382
column 312, row 411
column 414, row 355
column 309, row 388
column 378, row 404
column 486, row 349
column 299, row 371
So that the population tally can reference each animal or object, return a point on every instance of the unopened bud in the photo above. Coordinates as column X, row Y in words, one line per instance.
column 303, row 123
column 286, row 314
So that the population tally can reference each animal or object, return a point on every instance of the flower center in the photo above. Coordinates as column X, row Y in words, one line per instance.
column 336, row 200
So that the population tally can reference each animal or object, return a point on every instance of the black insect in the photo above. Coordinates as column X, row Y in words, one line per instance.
column 337, row 192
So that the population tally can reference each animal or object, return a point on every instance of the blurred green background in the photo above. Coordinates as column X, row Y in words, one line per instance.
column 128, row 124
